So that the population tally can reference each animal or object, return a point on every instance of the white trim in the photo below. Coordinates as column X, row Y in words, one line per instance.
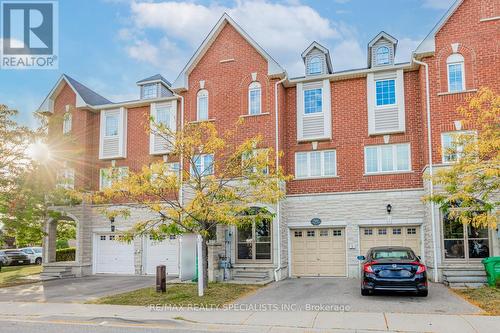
column 101, row 187
column 394, row 159
column 322, row 164
column 455, row 59
column 326, row 112
column 48, row 103
column 122, row 134
column 202, row 93
column 458, row 132
column 254, row 86
column 173, row 126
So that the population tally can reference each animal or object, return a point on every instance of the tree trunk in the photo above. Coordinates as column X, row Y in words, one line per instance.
column 204, row 269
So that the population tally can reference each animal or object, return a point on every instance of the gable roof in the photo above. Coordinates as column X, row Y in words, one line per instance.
column 181, row 82
column 381, row 35
column 322, row 49
column 84, row 95
column 154, row 78
column 428, row 45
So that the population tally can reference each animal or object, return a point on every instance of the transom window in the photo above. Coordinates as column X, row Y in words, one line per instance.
column 385, row 92
column 254, row 98
column 149, row 91
column 203, row 165
column 456, row 77
column 202, row 105
column 316, row 164
column 315, row 66
column 313, row 101
column 67, row 123
column 452, row 145
column 387, row 158
column 383, row 55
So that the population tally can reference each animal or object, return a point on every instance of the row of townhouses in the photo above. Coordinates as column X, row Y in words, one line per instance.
column 357, row 142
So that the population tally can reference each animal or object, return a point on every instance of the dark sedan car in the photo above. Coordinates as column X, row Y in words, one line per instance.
column 15, row 257
column 393, row 269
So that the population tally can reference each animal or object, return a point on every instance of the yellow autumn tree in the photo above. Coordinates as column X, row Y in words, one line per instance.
column 219, row 179
column 469, row 187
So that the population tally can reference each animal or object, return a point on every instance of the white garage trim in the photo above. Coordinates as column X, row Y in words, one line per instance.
column 111, row 256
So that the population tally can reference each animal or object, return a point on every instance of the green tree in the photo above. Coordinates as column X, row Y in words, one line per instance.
column 217, row 191
column 469, row 188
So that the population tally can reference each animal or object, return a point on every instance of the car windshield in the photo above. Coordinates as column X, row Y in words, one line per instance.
column 38, row 250
column 13, row 252
column 393, row 254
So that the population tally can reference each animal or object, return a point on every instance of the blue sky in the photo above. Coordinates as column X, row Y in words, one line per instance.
column 110, row 44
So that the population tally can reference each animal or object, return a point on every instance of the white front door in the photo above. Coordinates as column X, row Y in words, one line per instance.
column 113, row 256
column 164, row 252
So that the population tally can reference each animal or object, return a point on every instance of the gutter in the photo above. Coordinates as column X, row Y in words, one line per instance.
column 431, row 167
column 276, row 109
column 140, row 102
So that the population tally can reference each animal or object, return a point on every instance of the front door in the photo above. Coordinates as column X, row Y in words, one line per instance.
column 464, row 242
column 254, row 242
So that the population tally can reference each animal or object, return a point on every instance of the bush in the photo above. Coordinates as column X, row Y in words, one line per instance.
column 66, row 254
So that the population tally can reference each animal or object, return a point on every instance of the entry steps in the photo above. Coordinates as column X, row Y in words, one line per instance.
column 252, row 275
column 464, row 277
column 60, row 272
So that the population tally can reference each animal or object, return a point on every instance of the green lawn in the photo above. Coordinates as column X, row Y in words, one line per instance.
column 487, row 298
column 182, row 294
column 13, row 275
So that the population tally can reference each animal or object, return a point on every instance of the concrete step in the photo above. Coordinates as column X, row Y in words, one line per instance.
column 481, row 272
column 252, row 274
column 466, row 279
column 463, row 285
column 56, row 271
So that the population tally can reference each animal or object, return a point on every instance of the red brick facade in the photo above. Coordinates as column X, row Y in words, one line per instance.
column 226, row 68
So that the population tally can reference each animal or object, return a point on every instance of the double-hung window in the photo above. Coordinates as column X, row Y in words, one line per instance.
column 110, row 175
column 456, row 76
column 452, row 144
column 313, row 101
column 254, row 98
column 202, row 105
column 203, row 165
column 385, row 92
column 315, row 164
column 387, row 158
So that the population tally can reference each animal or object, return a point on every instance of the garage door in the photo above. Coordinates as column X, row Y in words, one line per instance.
column 165, row 252
column 318, row 252
column 113, row 256
column 390, row 236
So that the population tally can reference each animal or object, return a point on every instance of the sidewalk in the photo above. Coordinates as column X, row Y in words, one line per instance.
column 288, row 321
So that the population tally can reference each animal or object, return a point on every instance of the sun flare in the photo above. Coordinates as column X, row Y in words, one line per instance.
column 38, row 152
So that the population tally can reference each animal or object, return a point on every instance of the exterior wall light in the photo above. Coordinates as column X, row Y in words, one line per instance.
column 388, row 208
column 112, row 221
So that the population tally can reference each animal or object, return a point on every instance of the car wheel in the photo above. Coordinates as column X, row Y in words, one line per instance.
column 38, row 261
column 365, row 292
column 423, row 293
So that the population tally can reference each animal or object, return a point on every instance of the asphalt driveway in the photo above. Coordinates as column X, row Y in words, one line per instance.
column 75, row 290
column 341, row 294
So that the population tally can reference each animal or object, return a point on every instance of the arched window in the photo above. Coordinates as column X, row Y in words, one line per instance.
column 456, row 73
column 383, row 55
column 202, row 105
column 254, row 98
column 314, row 66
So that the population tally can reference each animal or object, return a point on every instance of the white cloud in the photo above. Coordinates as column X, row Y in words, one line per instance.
column 437, row 4
column 283, row 29
column 405, row 48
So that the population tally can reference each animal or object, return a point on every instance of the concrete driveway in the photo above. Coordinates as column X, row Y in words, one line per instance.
column 312, row 293
column 75, row 290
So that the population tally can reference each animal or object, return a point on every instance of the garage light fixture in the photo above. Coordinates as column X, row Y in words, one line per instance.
column 388, row 208
column 112, row 221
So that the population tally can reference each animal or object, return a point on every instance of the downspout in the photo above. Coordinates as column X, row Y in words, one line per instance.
column 431, row 168
column 276, row 109
column 181, row 158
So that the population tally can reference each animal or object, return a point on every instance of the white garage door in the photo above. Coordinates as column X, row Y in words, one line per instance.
column 113, row 256
column 390, row 236
column 165, row 252
column 318, row 252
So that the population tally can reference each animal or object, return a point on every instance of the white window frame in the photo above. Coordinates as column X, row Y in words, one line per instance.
column 66, row 178
column 309, row 72
column 203, row 166
column 173, row 125
column 254, row 86
column 202, row 94
column 394, row 159
column 322, row 164
column 149, row 96
column 254, row 153
column 459, row 148
column 67, row 122
column 325, row 115
column 371, row 80
column 377, row 61
column 121, row 174
column 455, row 59
column 122, row 134
column 384, row 106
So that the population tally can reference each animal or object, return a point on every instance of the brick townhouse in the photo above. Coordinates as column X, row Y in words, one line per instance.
column 357, row 142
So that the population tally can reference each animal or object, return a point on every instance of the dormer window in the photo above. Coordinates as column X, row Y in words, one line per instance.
column 150, row 91
column 314, row 66
column 383, row 55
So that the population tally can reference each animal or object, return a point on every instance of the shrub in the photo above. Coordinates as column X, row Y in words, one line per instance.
column 66, row 254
